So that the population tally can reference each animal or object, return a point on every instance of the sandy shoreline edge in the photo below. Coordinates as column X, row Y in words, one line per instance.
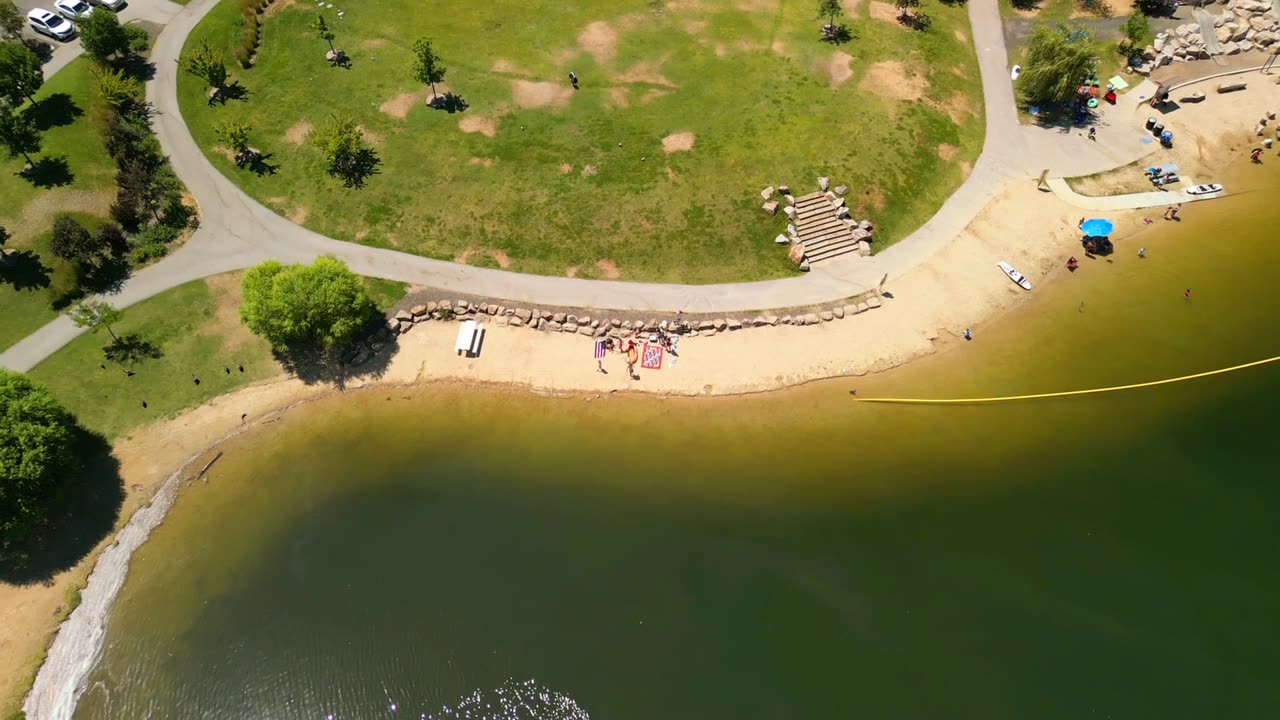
column 956, row 289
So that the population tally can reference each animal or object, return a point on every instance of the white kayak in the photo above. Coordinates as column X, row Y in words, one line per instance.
column 1204, row 189
column 1014, row 275
column 1015, row 72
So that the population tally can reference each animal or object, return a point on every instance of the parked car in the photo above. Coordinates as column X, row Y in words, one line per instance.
column 46, row 23
column 115, row 5
column 73, row 9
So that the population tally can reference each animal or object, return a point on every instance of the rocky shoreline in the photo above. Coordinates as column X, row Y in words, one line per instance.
column 1245, row 25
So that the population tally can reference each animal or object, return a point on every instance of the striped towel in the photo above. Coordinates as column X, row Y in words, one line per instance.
column 600, row 350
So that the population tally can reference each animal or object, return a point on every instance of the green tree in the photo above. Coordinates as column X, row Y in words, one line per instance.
column 95, row 315
column 115, row 88
column 19, row 133
column 322, row 29
column 72, row 242
column 905, row 6
column 305, row 307
column 207, row 64
column 148, row 181
column 36, row 453
column 829, row 9
column 1134, row 29
column 235, row 135
column 21, row 74
column 1059, row 58
column 10, row 21
column 426, row 64
column 103, row 37
column 344, row 149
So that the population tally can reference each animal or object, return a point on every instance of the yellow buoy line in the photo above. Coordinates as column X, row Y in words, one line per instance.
column 1066, row 393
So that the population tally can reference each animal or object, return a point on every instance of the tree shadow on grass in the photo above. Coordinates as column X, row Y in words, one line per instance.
column 85, row 513
column 916, row 21
column 48, row 172
column 838, row 35
column 354, row 170
column 56, row 110
column 130, row 349
column 136, row 66
column 233, row 91
column 24, row 270
column 450, row 103
column 259, row 165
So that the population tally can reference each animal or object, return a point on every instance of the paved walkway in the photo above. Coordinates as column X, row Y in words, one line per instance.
column 238, row 232
column 1132, row 201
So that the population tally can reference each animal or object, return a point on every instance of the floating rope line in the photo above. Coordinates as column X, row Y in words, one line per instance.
column 1066, row 393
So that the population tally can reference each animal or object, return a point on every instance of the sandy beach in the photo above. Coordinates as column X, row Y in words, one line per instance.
column 930, row 308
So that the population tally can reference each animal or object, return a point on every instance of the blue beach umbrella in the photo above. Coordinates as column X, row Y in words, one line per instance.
column 1097, row 227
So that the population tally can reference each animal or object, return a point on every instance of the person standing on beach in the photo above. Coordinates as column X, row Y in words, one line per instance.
column 1142, row 252
column 1093, row 134
column 1187, row 294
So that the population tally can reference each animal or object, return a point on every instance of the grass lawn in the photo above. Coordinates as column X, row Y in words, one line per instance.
column 197, row 329
column 539, row 178
column 27, row 210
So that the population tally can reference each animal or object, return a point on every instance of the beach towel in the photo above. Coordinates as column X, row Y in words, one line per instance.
column 600, row 349
column 652, row 357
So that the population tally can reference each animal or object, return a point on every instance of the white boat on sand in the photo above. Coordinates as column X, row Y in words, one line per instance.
column 1014, row 275
column 1204, row 189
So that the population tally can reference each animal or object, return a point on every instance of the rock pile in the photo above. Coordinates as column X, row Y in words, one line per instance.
column 547, row 321
column 1245, row 25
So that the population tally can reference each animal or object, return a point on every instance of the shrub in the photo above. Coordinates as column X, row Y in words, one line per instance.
column 243, row 57
column 125, row 209
column 143, row 254
column 177, row 215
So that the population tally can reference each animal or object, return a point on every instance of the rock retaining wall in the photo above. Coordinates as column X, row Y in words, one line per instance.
column 1245, row 25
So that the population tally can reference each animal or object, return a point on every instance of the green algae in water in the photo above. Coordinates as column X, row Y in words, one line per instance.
column 790, row 555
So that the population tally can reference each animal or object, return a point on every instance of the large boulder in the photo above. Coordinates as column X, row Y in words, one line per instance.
column 770, row 207
column 767, row 193
column 797, row 253
column 824, row 183
column 791, row 213
column 782, row 240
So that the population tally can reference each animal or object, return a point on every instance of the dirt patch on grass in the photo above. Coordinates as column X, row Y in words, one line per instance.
column 571, row 271
column 505, row 66
column 373, row 137
column 503, row 260
column 487, row 162
column 678, row 142
column 227, row 294
column 885, row 12
column 278, row 6
column 961, row 37
column 297, row 134
column 298, row 215
column 838, row 68
column 590, row 170
column 693, row 27
column 947, row 152
column 758, row 6
column 37, row 215
column 374, row 43
column 672, row 174
column 486, row 126
column 608, row 269
column 780, row 48
column 957, row 107
column 399, row 106
column 891, row 79
column 566, row 168
column 618, row 97
column 599, row 40
column 225, row 152
column 462, row 257
column 651, row 95
column 646, row 72
column 959, row 71
column 850, row 8
column 966, row 169
column 533, row 95
column 870, row 199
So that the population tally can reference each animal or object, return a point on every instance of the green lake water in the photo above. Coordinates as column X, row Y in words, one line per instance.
column 457, row 552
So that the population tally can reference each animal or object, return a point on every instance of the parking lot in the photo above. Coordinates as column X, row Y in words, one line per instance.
column 153, row 11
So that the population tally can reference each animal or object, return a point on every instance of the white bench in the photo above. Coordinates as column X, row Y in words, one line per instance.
column 470, row 335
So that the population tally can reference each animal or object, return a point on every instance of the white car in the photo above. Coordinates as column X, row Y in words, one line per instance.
column 46, row 23
column 110, row 4
column 73, row 9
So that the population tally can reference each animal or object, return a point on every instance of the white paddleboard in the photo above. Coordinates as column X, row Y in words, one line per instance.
column 1017, row 70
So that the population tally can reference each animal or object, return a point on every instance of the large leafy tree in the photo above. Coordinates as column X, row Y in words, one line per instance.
column 426, row 64
column 1134, row 28
column 148, row 182
column 103, row 37
column 1059, row 58
column 36, row 453
column 20, row 73
column 19, row 133
column 10, row 20
column 305, row 307
column 72, row 242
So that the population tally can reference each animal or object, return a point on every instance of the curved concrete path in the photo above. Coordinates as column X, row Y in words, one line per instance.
column 238, row 232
